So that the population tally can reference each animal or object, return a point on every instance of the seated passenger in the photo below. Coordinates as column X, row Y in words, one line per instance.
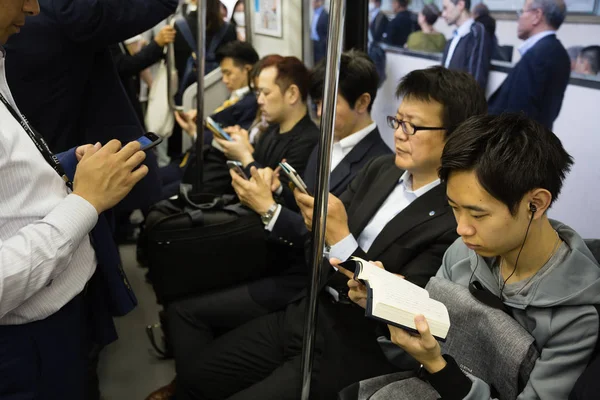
column 396, row 211
column 195, row 322
column 282, row 92
column 503, row 174
column 427, row 39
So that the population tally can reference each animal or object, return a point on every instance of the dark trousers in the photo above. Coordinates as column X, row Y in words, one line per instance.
column 262, row 359
column 46, row 359
column 194, row 323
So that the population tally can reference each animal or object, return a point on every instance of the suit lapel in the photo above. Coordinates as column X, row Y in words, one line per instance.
column 344, row 168
column 427, row 207
column 375, row 197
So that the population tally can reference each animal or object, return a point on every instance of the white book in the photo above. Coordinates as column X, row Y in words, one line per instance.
column 396, row 301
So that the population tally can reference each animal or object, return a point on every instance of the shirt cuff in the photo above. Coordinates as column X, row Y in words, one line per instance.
column 279, row 190
column 75, row 216
column 269, row 227
column 343, row 249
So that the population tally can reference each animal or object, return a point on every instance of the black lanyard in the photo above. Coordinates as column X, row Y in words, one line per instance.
column 39, row 142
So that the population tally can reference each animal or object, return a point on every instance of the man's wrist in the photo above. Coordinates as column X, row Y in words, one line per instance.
column 246, row 160
column 435, row 365
column 262, row 208
column 336, row 236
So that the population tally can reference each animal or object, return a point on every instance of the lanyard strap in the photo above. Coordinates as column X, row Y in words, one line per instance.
column 39, row 142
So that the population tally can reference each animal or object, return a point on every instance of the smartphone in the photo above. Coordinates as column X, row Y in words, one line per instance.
column 216, row 129
column 149, row 140
column 237, row 167
column 294, row 177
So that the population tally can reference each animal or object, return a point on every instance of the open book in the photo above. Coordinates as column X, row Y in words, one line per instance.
column 396, row 301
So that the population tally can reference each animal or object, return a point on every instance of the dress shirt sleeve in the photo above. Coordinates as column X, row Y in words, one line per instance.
column 343, row 249
column 271, row 223
column 40, row 251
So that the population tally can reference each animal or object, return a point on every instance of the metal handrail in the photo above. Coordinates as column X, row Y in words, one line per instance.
column 337, row 17
column 171, row 70
column 199, row 181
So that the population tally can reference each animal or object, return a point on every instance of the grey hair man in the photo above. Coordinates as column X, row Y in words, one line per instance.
column 537, row 84
column 588, row 61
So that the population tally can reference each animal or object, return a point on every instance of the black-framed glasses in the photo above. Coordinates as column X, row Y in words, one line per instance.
column 407, row 127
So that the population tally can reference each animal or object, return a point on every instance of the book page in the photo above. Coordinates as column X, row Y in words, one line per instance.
column 380, row 277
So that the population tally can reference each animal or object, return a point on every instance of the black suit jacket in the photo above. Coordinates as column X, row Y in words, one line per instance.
column 379, row 26
column 63, row 77
column 129, row 67
column 400, row 27
column 536, row 84
column 411, row 244
column 473, row 54
column 241, row 113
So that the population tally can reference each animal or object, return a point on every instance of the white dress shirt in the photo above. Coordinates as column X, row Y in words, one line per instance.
column 239, row 93
column 459, row 33
column 46, row 257
column 532, row 41
column 400, row 198
column 340, row 150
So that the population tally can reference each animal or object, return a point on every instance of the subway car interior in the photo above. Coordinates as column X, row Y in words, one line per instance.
column 387, row 199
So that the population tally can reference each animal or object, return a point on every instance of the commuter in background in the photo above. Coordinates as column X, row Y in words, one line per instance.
column 481, row 14
column 223, row 11
column 588, row 61
column 573, row 52
column 318, row 30
column 238, row 20
column 471, row 46
column 403, row 24
column 378, row 21
column 427, row 39
column 503, row 173
column 130, row 65
column 57, row 291
column 536, row 84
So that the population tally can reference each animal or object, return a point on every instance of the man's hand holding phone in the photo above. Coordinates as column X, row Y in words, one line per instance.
column 254, row 193
column 237, row 149
column 337, row 219
column 187, row 121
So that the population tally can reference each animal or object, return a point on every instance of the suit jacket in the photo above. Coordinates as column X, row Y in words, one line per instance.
column 289, row 228
column 536, row 84
column 108, row 292
column 63, row 77
column 129, row 67
column 241, row 113
column 320, row 46
column 411, row 244
column 399, row 28
column 473, row 54
column 379, row 26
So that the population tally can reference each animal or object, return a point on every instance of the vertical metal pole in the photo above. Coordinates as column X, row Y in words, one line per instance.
column 171, row 73
column 202, row 4
column 337, row 18
column 248, row 15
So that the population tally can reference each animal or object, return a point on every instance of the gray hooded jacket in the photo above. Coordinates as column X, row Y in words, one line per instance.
column 558, row 311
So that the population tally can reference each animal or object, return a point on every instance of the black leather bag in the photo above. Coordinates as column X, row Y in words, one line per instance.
column 203, row 243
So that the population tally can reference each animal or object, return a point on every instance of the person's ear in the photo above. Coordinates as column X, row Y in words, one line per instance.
column 539, row 200
column 362, row 103
column 293, row 94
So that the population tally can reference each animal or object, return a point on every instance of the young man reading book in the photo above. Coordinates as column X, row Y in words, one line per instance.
column 398, row 212
column 503, row 173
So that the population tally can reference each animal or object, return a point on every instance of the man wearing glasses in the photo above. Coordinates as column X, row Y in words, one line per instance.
column 395, row 210
column 536, row 84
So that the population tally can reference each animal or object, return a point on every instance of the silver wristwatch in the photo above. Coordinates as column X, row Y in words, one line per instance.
column 268, row 216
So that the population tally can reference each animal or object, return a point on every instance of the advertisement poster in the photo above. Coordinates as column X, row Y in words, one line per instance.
column 268, row 17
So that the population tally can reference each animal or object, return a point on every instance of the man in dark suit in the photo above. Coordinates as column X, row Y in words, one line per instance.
column 536, row 84
column 471, row 46
column 65, row 79
column 403, row 24
column 378, row 21
column 394, row 210
column 318, row 30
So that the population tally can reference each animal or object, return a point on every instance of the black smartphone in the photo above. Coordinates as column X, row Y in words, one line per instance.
column 237, row 167
column 149, row 140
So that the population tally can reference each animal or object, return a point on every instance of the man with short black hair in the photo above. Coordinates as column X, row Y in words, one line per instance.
column 503, row 173
column 396, row 210
column 588, row 61
column 536, row 84
column 471, row 46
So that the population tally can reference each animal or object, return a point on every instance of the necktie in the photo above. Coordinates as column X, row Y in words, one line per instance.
column 227, row 103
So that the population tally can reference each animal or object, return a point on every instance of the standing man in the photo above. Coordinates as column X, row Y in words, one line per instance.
column 378, row 21
column 318, row 30
column 403, row 24
column 471, row 47
column 536, row 85
column 57, row 292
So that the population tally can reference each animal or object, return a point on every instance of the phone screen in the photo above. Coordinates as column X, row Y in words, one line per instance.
column 149, row 140
column 144, row 141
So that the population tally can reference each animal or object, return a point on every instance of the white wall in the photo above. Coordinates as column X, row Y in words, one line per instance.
column 576, row 126
column 291, row 43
